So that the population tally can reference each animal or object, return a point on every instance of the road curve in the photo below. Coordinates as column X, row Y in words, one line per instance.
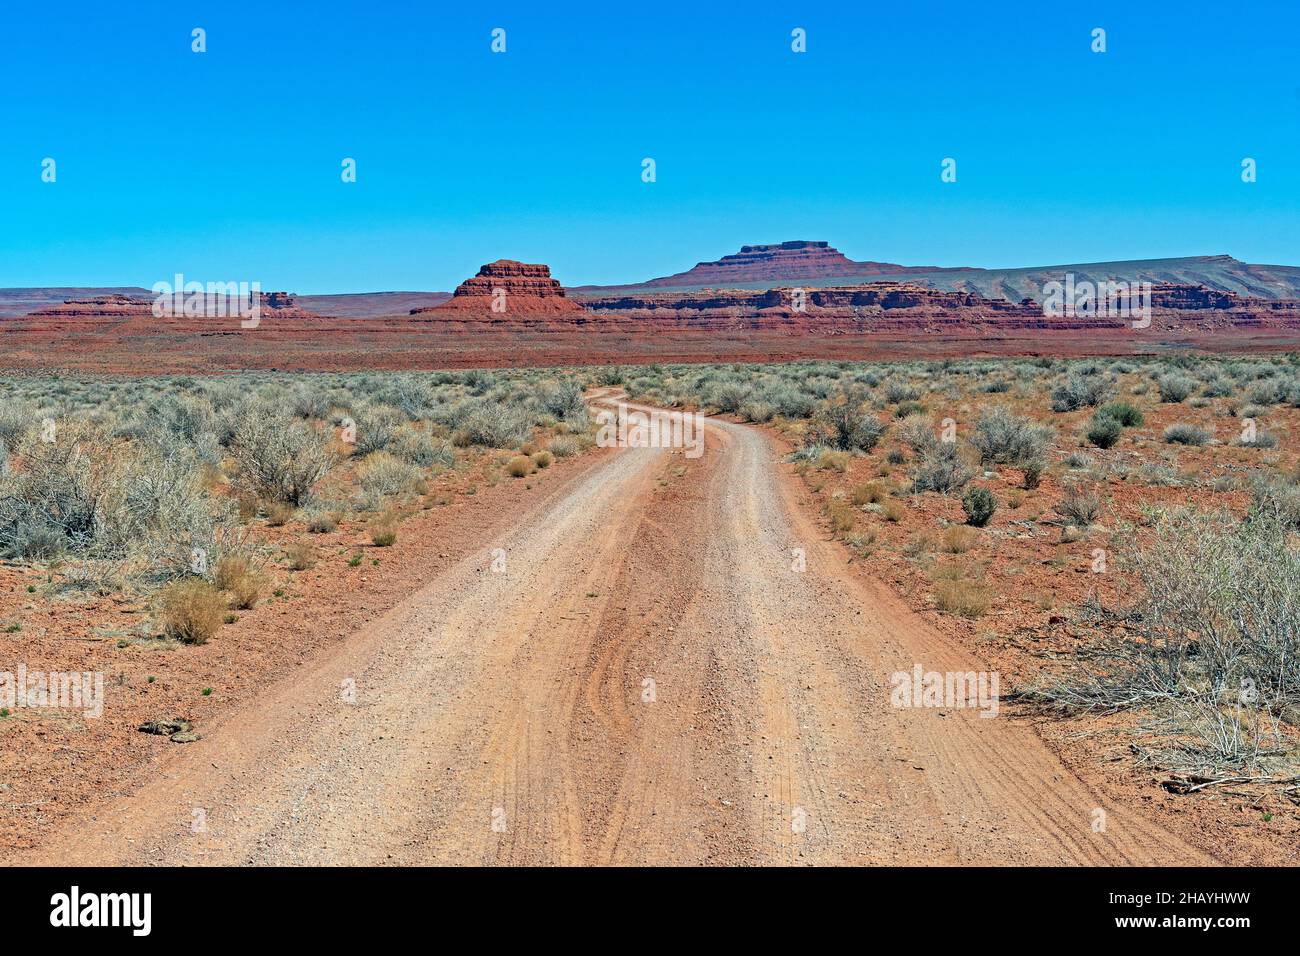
column 636, row 673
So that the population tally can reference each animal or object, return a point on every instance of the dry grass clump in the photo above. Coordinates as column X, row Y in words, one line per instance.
column 842, row 515
column 237, row 575
column 830, row 460
column 301, row 555
column 873, row 492
column 321, row 522
column 959, row 538
column 543, row 459
column 520, row 466
column 564, row 446
column 191, row 610
column 278, row 513
column 383, row 530
column 961, row 591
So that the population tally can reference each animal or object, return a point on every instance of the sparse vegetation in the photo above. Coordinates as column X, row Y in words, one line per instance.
column 191, row 610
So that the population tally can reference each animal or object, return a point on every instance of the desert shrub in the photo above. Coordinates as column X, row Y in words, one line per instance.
column 90, row 496
column 1276, row 499
column 384, row 474
column 908, row 408
column 1079, row 505
column 520, row 466
column 543, row 459
column 727, row 397
column 1080, row 391
column 421, row 450
column 1184, row 434
column 1174, row 387
column 307, row 401
column 492, row 424
column 191, row 610
column 896, row 392
column 238, row 575
column 15, row 419
column 918, row 434
column 1104, row 431
column 1214, row 618
column 375, row 427
column 563, row 446
column 979, row 505
column 278, row 457
column 1126, row 413
column 790, row 403
column 942, row 469
column 1033, row 475
column 1262, row 439
column 844, row 425
column 756, row 411
column 1004, row 438
column 564, row 400
column 61, row 498
column 1217, row 387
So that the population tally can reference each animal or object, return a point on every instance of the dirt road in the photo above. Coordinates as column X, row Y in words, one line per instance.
column 639, row 674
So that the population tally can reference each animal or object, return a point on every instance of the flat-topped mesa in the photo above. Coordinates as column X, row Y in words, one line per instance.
column 798, row 259
column 505, row 288
column 108, row 305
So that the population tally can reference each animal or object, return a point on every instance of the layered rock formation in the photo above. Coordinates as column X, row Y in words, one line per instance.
column 895, row 307
column 507, row 287
column 817, row 263
column 776, row 263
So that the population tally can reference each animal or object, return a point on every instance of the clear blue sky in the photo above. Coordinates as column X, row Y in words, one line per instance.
column 225, row 165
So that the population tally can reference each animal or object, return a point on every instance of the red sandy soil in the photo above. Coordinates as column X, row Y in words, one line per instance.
column 57, row 767
column 523, row 694
column 144, row 346
column 520, row 698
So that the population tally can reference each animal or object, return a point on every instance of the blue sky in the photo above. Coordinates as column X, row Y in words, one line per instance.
column 225, row 165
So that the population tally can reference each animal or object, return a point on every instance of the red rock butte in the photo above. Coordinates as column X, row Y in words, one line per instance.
column 517, row 288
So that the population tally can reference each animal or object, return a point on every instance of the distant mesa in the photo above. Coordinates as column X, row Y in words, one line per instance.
column 277, row 304
column 516, row 288
column 798, row 259
column 775, row 263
